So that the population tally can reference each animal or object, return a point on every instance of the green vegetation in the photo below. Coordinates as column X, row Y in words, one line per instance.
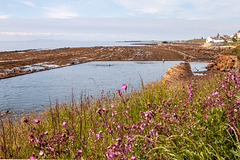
column 198, row 119
column 236, row 51
column 198, row 40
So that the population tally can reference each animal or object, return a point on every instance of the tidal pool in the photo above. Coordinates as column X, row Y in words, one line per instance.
column 34, row 91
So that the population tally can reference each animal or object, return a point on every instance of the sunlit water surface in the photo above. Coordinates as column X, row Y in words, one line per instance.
column 33, row 91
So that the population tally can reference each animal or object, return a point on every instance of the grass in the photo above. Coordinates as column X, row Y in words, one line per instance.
column 198, row 119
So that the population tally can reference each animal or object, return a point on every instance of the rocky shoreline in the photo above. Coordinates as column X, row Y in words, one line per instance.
column 17, row 63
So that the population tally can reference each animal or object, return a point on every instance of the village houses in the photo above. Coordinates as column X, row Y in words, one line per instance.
column 224, row 38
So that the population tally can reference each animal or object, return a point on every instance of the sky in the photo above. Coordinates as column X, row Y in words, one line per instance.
column 90, row 20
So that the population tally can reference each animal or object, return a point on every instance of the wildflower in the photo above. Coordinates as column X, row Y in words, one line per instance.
column 124, row 86
column 112, row 106
column 25, row 120
column 98, row 110
column 37, row 140
column 206, row 116
column 46, row 133
column 64, row 123
column 32, row 156
column 235, row 110
column 190, row 92
column 174, row 115
column 183, row 89
column 133, row 157
column 119, row 92
column 36, row 121
column 98, row 136
column 80, row 151
column 30, row 135
column 31, row 140
column 41, row 153
column 159, row 124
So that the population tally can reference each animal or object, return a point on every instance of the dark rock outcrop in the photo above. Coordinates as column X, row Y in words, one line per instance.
column 182, row 72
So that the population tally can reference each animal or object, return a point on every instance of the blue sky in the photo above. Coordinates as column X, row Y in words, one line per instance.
column 117, row 19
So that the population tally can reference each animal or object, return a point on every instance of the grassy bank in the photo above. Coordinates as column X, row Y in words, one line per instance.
column 198, row 119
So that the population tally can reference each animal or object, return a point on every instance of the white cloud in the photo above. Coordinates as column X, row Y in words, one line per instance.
column 28, row 3
column 60, row 12
column 4, row 16
column 24, row 34
column 189, row 9
column 149, row 6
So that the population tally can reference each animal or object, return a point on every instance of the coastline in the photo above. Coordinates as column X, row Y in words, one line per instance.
column 15, row 63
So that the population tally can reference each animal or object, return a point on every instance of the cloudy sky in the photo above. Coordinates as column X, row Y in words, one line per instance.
column 22, row 20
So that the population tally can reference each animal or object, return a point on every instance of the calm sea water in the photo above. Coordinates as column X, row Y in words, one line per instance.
column 41, row 44
column 29, row 92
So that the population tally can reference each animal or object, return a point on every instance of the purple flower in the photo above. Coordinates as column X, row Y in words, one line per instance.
column 64, row 123
column 206, row 116
column 25, row 120
column 37, row 140
column 124, row 86
column 32, row 156
column 80, row 151
column 30, row 140
column 183, row 88
column 41, row 153
column 98, row 110
column 119, row 92
column 36, row 121
column 235, row 110
column 46, row 133
column 133, row 157
column 31, row 135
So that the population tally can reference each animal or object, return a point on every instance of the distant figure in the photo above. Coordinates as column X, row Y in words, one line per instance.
column 163, row 60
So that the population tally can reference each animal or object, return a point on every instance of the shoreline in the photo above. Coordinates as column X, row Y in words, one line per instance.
column 16, row 63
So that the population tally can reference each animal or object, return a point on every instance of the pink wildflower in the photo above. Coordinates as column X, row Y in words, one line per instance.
column 25, row 120
column 98, row 110
column 124, row 86
column 46, row 133
column 36, row 121
column 32, row 156
column 119, row 92
column 183, row 88
column 64, row 123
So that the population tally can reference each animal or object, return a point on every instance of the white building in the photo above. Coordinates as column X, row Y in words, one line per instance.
column 215, row 40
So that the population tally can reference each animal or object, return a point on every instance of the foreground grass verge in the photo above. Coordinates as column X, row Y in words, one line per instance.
column 198, row 119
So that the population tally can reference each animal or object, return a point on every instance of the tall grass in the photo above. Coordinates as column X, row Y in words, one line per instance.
column 198, row 119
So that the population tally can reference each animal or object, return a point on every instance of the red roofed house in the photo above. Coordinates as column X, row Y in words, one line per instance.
column 238, row 34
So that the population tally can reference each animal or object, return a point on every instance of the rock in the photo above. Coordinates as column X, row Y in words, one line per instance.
column 182, row 72
column 224, row 63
